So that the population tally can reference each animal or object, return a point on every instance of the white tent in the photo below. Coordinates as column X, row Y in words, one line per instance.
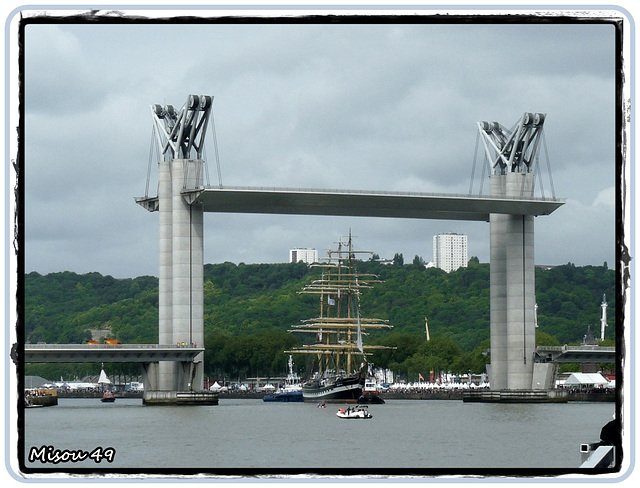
column 586, row 380
column 79, row 384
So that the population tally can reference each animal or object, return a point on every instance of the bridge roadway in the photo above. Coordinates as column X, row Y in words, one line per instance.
column 576, row 354
column 151, row 353
column 358, row 203
column 109, row 353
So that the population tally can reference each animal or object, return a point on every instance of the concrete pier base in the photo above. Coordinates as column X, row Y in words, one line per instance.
column 167, row 397
column 515, row 396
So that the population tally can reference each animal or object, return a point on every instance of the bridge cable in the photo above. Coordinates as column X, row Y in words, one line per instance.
column 546, row 152
column 537, row 167
column 486, row 166
column 151, row 146
column 473, row 167
column 215, row 145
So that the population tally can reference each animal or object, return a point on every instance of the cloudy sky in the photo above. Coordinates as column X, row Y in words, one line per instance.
column 372, row 106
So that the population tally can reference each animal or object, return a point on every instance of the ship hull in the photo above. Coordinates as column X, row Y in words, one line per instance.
column 291, row 396
column 370, row 398
column 340, row 389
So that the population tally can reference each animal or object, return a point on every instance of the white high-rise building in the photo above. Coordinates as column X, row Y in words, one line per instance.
column 450, row 251
column 304, row 254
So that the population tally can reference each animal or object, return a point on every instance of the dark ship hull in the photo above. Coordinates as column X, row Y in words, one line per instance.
column 370, row 398
column 289, row 396
column 341, row 388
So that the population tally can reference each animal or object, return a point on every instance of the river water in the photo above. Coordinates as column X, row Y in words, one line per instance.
column 405, row 437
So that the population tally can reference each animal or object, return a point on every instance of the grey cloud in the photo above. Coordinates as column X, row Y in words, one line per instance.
column 382, row 107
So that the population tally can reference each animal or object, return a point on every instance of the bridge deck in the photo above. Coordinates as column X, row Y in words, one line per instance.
column 108, row 353
column 360, row 203
column 576, row 354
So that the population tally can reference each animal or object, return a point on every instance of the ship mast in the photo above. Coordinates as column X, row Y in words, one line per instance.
column 340, row 327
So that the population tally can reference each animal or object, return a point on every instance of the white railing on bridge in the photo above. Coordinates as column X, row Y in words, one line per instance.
column 577, row 348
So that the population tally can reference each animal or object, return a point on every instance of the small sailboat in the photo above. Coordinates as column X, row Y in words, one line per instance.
column 107, row 395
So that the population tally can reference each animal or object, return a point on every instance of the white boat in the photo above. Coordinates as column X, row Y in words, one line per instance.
column 356, row 412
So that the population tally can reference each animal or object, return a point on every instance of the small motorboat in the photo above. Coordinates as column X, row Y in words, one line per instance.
column 357, row 412
column 108, row 397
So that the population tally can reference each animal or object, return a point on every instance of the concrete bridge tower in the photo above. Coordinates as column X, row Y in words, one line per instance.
column 512, row 154
column 180, row 136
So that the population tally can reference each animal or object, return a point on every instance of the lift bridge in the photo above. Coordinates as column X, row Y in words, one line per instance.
column 183, row 198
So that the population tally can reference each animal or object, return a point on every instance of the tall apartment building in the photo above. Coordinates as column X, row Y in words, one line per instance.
column 450, row 251
column 303, row 254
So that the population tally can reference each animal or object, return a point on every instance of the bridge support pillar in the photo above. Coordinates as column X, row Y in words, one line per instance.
column 165, row 371
column 150, row 375
column 181, row 281
column 512, row 288
column 544, row 376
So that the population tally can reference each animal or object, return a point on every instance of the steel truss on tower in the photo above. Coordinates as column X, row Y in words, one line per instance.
column 181, row 133
column 512, row 150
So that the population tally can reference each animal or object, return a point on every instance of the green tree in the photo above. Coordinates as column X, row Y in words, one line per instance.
column 246, row 301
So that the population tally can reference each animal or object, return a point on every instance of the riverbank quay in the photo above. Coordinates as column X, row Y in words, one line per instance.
column 515, row 396
column 161, row 397
column 594, row 395
column 455, row 394
column 422, row 395
column 97, row 394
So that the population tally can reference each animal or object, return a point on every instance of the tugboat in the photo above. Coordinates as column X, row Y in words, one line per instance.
column 292, row 390
column 108, row 397
column 370, row 395
column 341, row 370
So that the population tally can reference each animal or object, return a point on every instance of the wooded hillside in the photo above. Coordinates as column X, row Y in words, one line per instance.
column 249, row 308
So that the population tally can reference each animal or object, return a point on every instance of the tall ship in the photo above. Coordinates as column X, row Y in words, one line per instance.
column 339, row 354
